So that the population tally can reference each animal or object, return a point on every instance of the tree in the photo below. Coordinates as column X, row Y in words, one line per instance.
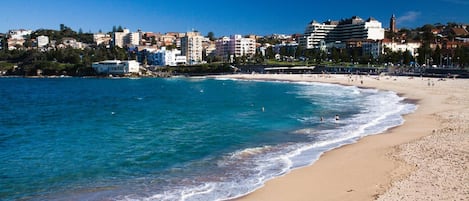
column 283, row 51
column 424, row 54
column 406, row 57
column 119, row 29
column 211, row 36
column 436, row 57
column 299, row 51
column 269, row 53
column 335, row 54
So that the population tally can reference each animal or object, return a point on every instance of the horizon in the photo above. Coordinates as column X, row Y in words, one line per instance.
column 244, row 17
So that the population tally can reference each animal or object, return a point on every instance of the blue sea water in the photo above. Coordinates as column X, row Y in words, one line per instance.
column 173, row 139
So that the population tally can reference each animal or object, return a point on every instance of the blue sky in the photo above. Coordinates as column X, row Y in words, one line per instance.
column 220, row 17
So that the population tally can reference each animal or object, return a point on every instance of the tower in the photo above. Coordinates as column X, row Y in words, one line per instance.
column 392, row 24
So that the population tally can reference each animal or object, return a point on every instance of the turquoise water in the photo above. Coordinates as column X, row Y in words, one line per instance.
column 172, row 139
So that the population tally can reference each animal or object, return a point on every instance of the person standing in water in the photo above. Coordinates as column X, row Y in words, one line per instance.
column 337, row 117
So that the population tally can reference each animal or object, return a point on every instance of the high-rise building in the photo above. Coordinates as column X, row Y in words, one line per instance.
column 317, row 34
column 191, row 47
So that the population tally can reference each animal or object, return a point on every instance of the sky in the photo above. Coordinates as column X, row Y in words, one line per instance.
column 223, row 18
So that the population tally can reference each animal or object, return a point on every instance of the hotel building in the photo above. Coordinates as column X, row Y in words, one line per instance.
column 319, row 34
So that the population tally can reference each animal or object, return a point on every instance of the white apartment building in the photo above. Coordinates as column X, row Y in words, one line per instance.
column 101, row 38
column 235, row 45
column 116, row 67
column 412, row 47
column 42, row 41
column 191, row 47
column 134, row 38
column 240, row 46
column 315, row 33
column 19, row 33
column 120, row 38
column 126, row 37
column 164, row 57
column 333, row 31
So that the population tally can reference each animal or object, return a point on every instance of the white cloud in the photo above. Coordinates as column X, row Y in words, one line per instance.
column 408, row 17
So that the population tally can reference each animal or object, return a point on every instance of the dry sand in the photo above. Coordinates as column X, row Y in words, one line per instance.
column 426, row 158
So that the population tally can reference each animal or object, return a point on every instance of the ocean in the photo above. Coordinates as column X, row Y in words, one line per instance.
column 175, row 138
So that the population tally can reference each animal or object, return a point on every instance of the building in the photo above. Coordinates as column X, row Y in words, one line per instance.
column 240, row 46
column 373, row 48
column 120, row 39
column 164, row 57
column 2, row 40
column 42, row 41
column 14, row 43
column 101, row 38
column 209, row 47
column 412, row 47
column 71, row 42
column 116, row 67
column 19, row 33
column 392, row 24
column 236, row 46
column 134, row 38
column 191, row 47
column 317, row 34
column 222, row 46
column 126, row 38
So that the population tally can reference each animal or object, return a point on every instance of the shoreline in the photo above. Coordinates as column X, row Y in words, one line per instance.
column 374, row 168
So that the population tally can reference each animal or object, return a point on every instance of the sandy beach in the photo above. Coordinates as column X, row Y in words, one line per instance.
column 426, row 158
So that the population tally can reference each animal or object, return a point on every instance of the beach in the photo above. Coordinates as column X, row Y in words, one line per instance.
column 426, row 158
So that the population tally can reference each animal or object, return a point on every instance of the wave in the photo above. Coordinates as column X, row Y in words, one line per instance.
column 381, row 111
column 241, row 172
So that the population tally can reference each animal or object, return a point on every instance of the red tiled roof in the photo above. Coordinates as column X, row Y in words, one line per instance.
column 459, row 31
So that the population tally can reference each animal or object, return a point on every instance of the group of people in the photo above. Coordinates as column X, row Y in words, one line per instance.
column 337, row 118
